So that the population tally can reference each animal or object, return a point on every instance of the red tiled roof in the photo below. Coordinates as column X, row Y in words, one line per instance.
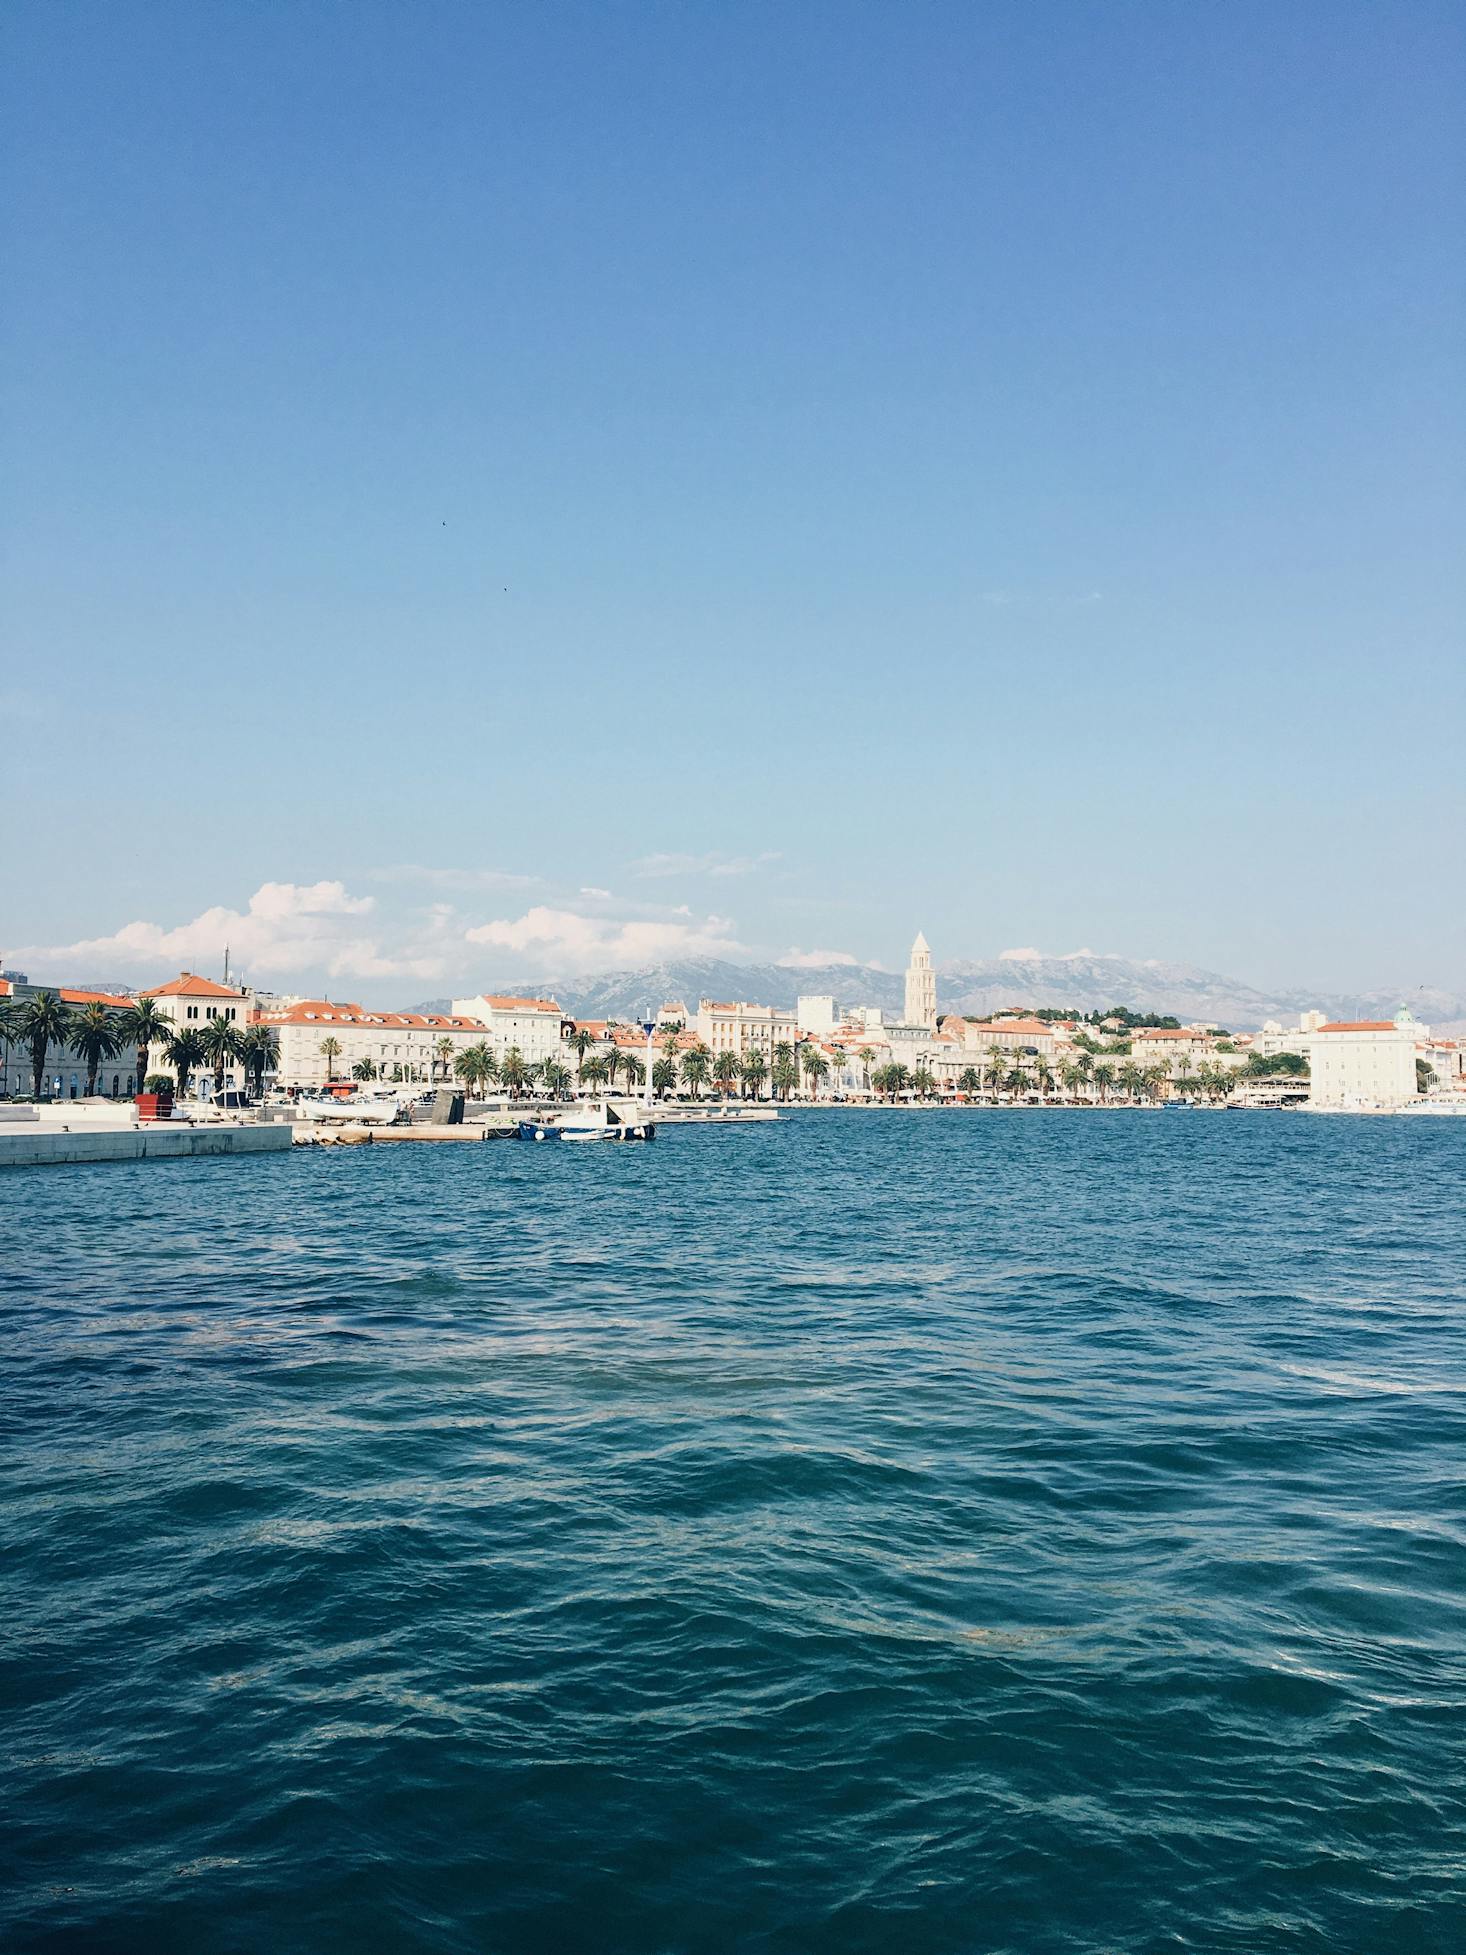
column 1360, row 1025
column 522, row 1004
column 96, row 998
column 322, row 1011
column 187, row 985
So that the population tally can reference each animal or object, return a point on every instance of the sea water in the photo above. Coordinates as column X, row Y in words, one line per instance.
column 991, row 1531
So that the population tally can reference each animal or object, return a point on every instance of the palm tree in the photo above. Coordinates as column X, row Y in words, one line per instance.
column 144, row 1025
column 330, row 1052
column 444, row 1049
column 475, row 1066
column 1104, row 1079
column 816, row 1067
column 968, row 1080
column 754, row 1070
column 865, row 1055
column 593, row 1072
column 923, row 1083
column 1071, row 1077
column 582, row 1040
column 785, row 1077
column 725, row 1071
column 95, row 1036
column 221, row 1043
column 664, row 1075
column 1043, row 1075
column 185, row 1053
column 669, row 1041
column 44, row 1021
column 514, row 1072
column 1016, row 1080
column 260, row 1051
column 614, row 1059
column 364, row 1069
column 697, row 1065
column 1131, row 1080
column 556, row 1078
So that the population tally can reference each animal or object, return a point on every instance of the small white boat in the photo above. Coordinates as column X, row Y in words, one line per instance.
column 595, row 1120
column 380, row 1109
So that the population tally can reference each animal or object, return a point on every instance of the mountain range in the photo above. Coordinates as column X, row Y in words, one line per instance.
column 977, row 987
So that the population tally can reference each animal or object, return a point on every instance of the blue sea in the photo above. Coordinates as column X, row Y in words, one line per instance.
column 1001, row 1531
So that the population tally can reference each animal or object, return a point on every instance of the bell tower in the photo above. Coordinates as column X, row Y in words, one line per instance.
column 921, row 986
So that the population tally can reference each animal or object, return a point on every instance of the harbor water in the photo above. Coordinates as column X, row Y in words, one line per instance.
column 1008, row 1532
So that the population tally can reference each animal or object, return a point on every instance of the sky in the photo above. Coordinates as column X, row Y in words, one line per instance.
column 497, row 489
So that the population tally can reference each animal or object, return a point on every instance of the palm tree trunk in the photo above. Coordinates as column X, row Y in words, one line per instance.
column 38, row 1067
column 92, row 1078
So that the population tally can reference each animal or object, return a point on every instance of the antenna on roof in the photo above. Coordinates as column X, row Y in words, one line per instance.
column 226, row 963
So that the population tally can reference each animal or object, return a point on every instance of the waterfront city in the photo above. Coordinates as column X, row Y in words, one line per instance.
column 205, row 1038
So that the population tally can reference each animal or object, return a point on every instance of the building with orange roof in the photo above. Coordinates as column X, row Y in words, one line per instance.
column 1365, row 1062
column 410, row 1046
column 536, row 1026
column 189, row 1002
column 65, row 1073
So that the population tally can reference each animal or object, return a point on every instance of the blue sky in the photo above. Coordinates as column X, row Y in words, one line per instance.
column 513, row 489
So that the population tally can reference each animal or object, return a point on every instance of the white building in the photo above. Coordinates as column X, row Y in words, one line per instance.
column 865, row 1018
column 536, row 1025
column 190, row 1002
column 817, row 1016
column 744, row 1028
column 1364, row 1062
column 1008, row 1035
column 921, row 986
column 399, row 1045
column 64, row 1076
column 1275, row 1038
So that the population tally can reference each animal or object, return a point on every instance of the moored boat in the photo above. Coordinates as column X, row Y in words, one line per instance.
column 595, row 1120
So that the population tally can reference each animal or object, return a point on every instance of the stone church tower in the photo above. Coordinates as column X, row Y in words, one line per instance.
column 921, row 986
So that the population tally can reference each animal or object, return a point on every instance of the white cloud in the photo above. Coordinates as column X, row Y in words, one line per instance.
column 287, row 928
column 596, row 895
column 559, row 942
column 795, row 959
column 711, row 864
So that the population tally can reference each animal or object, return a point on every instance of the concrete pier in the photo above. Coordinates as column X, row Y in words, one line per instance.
column 47, row 1143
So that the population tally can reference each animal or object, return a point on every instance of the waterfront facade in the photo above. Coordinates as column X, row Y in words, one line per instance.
column 65, row 1074
column 536, row 1026
column 1364, row 1062
column 190, row 1002
column 398, row 1045
column 743, row 1028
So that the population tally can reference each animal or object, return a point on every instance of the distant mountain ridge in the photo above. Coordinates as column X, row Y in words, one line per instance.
column 977, row 987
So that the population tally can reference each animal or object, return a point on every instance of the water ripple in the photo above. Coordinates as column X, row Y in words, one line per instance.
column 982, row 1533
